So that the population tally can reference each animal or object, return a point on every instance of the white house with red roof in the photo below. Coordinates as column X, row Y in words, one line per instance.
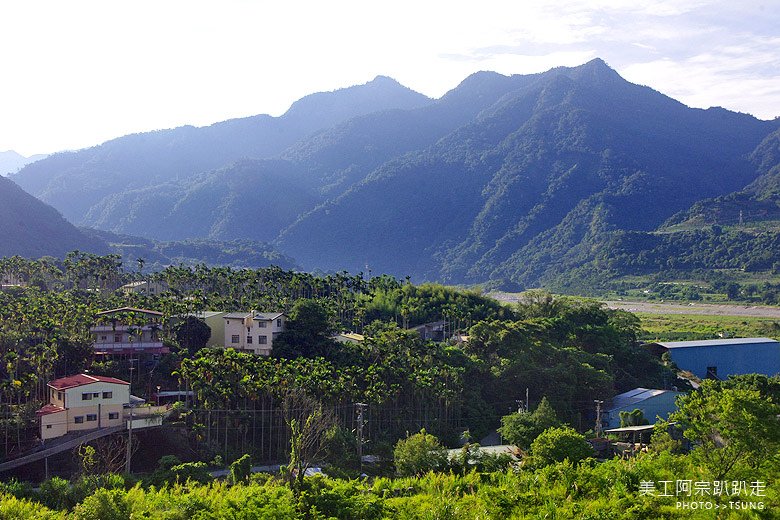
column 83, row 402
column 128, row 331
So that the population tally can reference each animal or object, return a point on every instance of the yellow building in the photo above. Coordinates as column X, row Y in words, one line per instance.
column 83, row 402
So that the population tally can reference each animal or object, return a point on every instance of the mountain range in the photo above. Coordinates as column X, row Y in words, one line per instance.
column 517, row 179
column 11, row 161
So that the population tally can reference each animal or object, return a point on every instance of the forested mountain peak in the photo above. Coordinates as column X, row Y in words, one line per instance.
column 516, row 178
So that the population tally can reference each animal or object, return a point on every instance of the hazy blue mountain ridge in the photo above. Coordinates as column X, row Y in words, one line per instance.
column 525, row 179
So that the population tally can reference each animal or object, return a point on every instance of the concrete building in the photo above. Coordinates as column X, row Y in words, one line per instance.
column 253, row 331
column 128, row 331
column 83, row 402
column 216, row 322
column 144, row 287
column 653, row 403
column 720, row 358
column 348, row 337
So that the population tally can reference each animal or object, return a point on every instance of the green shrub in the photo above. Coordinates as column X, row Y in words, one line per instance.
column 419, row 454
column 240, row 470
column 559, row 444
column 105, row 504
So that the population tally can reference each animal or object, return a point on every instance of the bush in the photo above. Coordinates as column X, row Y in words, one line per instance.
column 559, row 444
column 240, row 470
column 104, row 504
column 419, row 454
column 56, row 493
column 522, row 428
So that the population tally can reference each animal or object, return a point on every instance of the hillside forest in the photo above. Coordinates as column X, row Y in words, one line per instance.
column 417, row 396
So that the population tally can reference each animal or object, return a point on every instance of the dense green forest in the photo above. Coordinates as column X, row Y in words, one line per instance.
column 735, row 478
column 570, row 351
column 412, row 396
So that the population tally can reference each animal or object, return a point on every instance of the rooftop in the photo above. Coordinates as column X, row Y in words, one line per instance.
column 637, row 395
column 129, row 309
column 49, row 409
column 83, row 379
column 712, row 342
column 260, row 316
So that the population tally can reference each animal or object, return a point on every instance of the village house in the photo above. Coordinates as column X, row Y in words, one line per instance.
column 144, row 287
column 348, row 337
column 128, row 331
column 83, row 402
column 253, row 331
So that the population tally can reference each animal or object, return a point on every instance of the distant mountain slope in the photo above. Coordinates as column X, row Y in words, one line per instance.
column 11, row 161
column 526, row 179
column 531, row 181
column 259, row 198
column 158, row 255
column 32, row 229
column 758, row 202
column 76, row 182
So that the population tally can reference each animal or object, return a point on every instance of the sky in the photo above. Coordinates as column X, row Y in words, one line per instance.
column 77, row 73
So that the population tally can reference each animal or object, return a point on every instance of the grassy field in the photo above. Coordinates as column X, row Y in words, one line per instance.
column 680, row 327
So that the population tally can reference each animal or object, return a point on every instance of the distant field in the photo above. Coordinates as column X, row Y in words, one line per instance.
column 687, row 321
column 678, row 327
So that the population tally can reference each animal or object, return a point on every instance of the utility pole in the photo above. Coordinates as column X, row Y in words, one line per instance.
column 526, row 399
column 598, row 416
column 129, row 440
column 360, row 408
column 130, row 424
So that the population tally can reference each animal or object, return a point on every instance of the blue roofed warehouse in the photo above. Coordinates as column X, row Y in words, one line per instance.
column 720, row 358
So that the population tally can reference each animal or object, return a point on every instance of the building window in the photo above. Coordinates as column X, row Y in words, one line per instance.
column 279, row 322
column 113, row 415
column 234, row 338
column 263, row 340
column 103, row 338
column 249, row 339
column 91, row 417
column 108, row 395
column 262, row 324
column 48, row 426
column 96, row 395
column 117, row 338
column 60, row 396
column 86, row 397
column 78, row 419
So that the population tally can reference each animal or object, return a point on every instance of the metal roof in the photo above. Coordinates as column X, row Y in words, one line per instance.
column 64, row 383
column 260, row 316
column 642, row 428
column 637, row 395
column 712, row 342
column 130, row 309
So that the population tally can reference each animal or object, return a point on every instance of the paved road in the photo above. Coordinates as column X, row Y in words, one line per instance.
column 60, row 447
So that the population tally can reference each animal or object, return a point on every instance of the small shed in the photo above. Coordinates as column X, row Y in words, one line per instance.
column 720, row 358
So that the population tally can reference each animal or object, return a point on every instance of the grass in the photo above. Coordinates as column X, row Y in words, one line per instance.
column 680, row 327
